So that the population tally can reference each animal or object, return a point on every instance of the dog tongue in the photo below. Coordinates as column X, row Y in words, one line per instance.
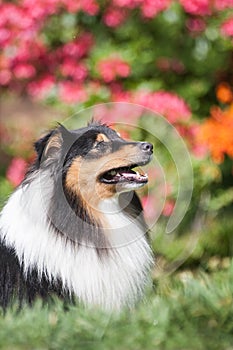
column 125, row 174
column 132, row 175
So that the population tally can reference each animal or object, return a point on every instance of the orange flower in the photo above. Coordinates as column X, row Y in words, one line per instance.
column 217, row 133
column 224, row 93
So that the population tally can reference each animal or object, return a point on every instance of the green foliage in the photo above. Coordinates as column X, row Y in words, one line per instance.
column 211, row 238
column 5, row 190
column 187, row 312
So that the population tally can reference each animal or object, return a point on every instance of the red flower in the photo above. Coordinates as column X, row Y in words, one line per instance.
column 16, row 171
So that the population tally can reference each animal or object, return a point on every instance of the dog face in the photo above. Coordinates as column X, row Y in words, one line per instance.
column 96, row 162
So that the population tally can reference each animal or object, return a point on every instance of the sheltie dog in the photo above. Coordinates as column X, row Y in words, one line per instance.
column 74, row 227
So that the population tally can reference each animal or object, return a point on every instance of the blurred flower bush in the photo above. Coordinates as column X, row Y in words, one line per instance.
column 174, row 57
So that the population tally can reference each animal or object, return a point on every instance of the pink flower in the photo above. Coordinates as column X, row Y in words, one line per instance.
column 149, row 206
column 197, row 7
column 30, row 51
column 122, row 113
column 24, row 71
column 199, row 149
column 72, row 68
column 190, row 133
column 114, row 17
column 40, row 9
column 5, row 77
column 5, row 36
column 79, row 47
column 227, row 27
column 16, row 171
column 41, row 87
column 196, row 25
column 170, row 64
column 223, row 4
column 168, row 207
column 111, row 68
column 12, row 14
column 89, row 6
column 118, row 94
column 130, row 4
column 150, row 8
column 167, row 104
column 71, row 92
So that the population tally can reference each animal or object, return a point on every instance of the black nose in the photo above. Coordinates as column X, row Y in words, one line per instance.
column 146, row 147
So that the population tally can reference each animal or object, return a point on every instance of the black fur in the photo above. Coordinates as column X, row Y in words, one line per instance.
column 75, row 220
column 15, row 286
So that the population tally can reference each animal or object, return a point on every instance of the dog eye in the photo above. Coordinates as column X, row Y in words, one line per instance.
column 98, row 144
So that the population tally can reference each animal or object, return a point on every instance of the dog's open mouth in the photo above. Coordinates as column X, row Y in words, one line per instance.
column 124, row 175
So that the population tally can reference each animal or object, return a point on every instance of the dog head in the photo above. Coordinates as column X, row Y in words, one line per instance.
column 95, row 162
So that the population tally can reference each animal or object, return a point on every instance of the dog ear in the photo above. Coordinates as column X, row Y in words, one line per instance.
column 49, row 146
column 41, row 144
column 65, row 134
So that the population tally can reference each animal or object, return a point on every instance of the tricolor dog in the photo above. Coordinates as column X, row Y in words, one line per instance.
column 74, row 227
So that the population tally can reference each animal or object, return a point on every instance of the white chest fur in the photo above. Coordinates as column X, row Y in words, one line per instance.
column 112, row 282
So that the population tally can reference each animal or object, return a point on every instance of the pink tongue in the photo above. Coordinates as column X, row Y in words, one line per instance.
column 128, row 175
column 132, row 176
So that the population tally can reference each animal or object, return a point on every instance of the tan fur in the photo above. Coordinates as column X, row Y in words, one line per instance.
column 102, row 137
column 86, row 188
column 82, row 176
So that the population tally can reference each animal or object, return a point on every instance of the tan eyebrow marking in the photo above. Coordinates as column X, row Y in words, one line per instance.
column 102, row 137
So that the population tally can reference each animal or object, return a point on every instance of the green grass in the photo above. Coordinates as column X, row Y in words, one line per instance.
column 187, row 311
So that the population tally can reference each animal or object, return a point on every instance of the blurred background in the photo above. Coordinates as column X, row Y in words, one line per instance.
column 58, row 57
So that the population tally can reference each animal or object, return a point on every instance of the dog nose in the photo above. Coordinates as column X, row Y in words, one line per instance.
column 146, row 147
